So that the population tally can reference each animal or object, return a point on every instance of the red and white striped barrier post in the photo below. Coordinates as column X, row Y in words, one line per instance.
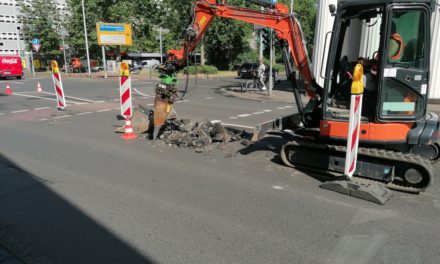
column 125, row 90
column 126, row 106
column 357, row 89
column 58, row 83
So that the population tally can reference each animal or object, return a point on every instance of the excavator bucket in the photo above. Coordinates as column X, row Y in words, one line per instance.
column 162, row 109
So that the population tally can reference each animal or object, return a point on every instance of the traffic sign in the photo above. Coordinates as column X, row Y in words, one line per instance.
column 113, row 34
column 36, row 44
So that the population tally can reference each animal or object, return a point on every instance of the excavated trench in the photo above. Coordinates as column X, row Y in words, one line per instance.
column 185, row 133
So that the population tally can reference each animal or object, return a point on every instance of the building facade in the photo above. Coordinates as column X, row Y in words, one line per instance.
column 12, row 39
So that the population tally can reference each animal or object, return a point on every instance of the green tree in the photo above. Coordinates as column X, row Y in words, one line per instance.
column 224, row 40
column 305, row 12
column 40, row 19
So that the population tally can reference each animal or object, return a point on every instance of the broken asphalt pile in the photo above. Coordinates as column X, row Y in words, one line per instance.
column 184, row 132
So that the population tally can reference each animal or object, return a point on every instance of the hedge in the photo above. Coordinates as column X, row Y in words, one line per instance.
column 201, row 69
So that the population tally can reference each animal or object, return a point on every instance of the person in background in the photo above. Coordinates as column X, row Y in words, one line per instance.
column 260, row 74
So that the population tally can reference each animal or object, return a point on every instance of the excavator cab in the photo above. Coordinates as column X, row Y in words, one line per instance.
column 391, row 40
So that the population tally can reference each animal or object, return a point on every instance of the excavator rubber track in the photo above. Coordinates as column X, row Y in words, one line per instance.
column 380, row 157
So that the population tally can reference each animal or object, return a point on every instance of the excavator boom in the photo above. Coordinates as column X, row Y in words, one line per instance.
column 286, row 26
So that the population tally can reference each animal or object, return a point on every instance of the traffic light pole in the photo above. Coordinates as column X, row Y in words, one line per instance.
column 261, row 44
column 271, row 62
column 32, row 62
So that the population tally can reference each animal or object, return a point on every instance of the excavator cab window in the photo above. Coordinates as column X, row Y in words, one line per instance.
column 358, row 37
column 405, row 73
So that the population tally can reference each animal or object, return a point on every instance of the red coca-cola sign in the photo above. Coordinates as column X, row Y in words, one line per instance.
column 9, row 60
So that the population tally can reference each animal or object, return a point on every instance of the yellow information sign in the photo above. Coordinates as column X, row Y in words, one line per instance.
column 113, row 34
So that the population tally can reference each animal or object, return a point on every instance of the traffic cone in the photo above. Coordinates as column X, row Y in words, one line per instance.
column 8, row 90
column 128, row 133
column 39, row 90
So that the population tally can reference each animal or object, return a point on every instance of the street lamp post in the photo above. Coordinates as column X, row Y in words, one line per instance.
column 85, row 36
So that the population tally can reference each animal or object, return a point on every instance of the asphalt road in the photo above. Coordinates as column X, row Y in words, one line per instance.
column 72, row 191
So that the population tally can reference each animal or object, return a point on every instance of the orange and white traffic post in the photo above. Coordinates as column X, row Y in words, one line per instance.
column 354, row 123
column 8, row 90
column 126, row 104
column 58, row 83
column 39, row 89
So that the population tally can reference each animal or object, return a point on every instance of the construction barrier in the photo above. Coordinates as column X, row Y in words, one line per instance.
column 125, row 90
column 357, row 89
column 128, row 129
column 61, row 100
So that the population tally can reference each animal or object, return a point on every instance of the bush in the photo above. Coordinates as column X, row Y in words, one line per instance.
column 201, row 69
column 279, row 67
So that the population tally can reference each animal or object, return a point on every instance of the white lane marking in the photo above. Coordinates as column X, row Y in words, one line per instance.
column 99, row 102
column 288, row 106
column 208, row 98
column 233, row 117
column 258, row 113
column 80, row 99
column 280, row 107
column 267, row 110
column 59, row 117
column 31, row 96
column 215, row 121
column 103, row 110
column 72, row 97
column 235, row 125
column 41, row 108
column 278, row 187
column 136, row 91
column 14, row 82
column 77, row 103
column 84, row 113
column 243, row 115
column 42, row 119
column 19, row 111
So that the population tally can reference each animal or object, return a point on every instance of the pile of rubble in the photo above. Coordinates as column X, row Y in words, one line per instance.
column 184, row 133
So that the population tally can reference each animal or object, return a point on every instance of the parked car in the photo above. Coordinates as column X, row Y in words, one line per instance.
column 10, row 66
column 148, row 64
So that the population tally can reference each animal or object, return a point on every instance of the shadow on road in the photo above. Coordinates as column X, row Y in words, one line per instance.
column 273, row 143
column 37, row 225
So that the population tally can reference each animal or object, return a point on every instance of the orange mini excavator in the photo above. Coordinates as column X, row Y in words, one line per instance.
column 399, row 139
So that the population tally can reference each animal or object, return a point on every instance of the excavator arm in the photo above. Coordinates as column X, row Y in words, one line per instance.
column 286, row 26
column 277, row 17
